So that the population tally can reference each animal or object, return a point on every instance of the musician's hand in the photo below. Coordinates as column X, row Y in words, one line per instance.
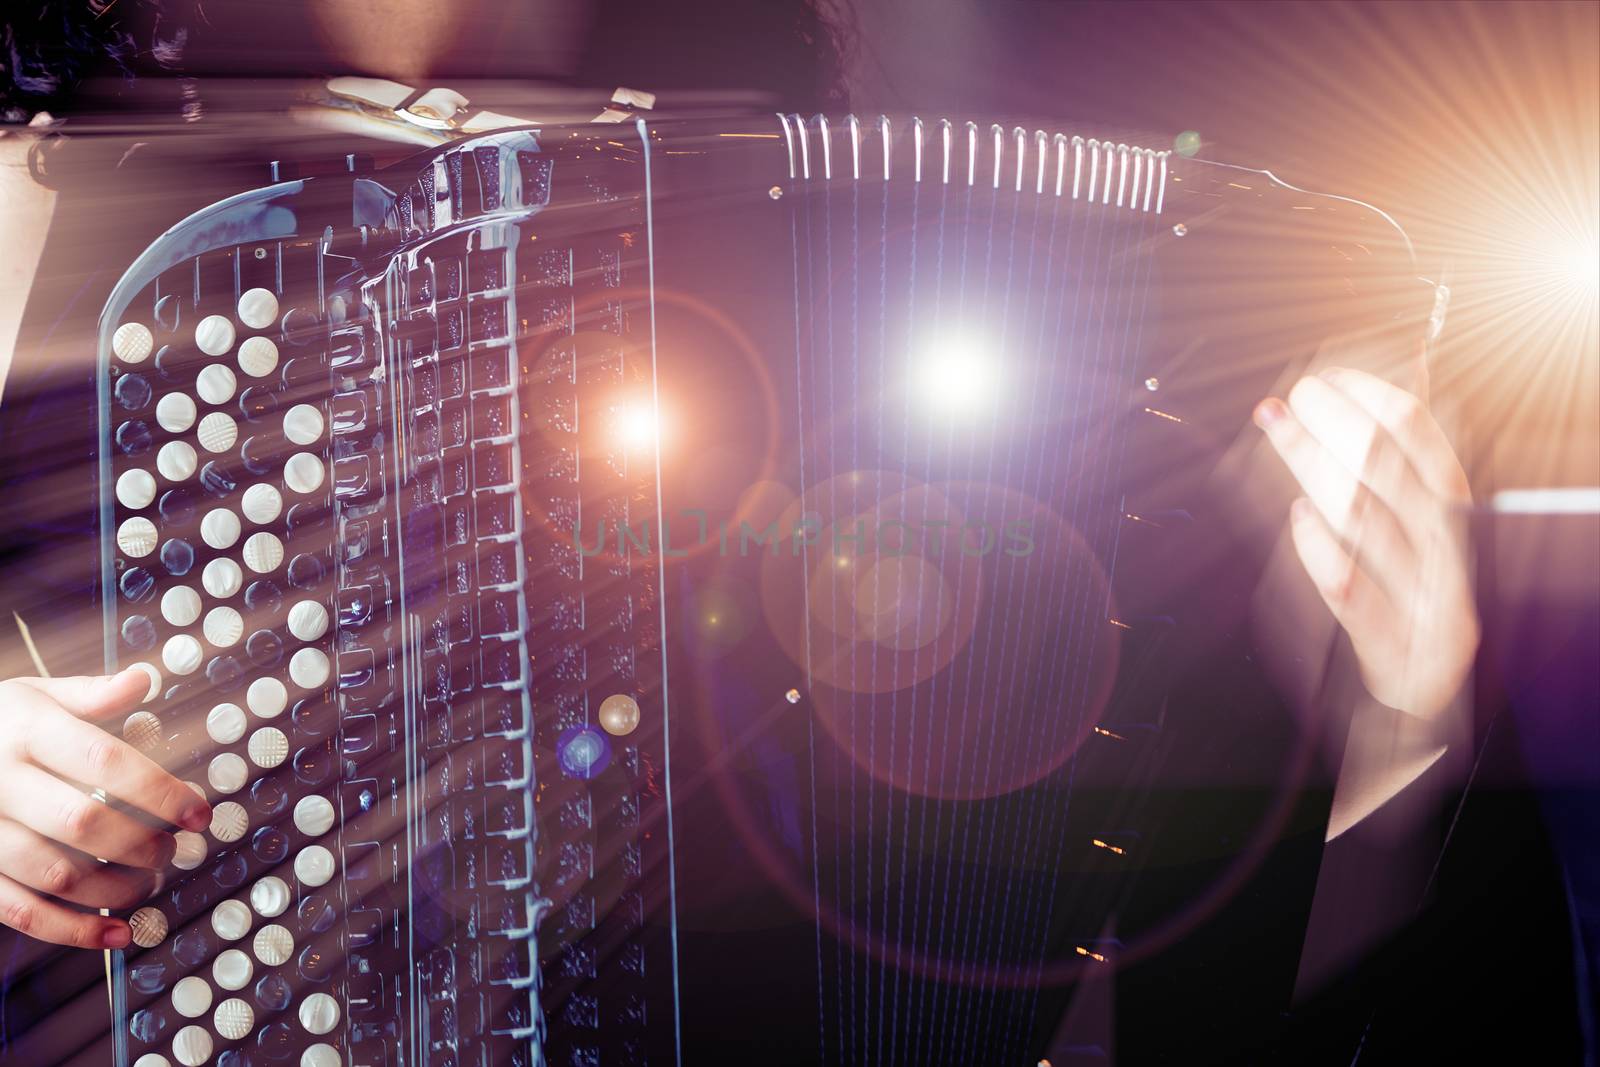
column 51, row 829
column 1380, row 530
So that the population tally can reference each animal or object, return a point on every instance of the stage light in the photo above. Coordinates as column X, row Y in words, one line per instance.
column 957, row 377
column 638, row 425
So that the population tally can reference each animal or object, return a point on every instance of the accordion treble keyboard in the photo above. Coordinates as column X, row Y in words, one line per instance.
column 340, row 473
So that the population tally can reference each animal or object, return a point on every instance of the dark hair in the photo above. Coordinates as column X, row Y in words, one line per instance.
column 48, row 51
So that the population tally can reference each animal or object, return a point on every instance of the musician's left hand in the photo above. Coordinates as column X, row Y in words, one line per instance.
column 1380, row 530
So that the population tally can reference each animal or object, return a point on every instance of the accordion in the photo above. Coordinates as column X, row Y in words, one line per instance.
column 530, row 539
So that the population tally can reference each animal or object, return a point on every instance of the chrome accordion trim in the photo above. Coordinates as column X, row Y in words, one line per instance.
column 1139, row 175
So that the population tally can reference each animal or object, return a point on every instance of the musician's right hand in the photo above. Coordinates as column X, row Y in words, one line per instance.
column 52, row 830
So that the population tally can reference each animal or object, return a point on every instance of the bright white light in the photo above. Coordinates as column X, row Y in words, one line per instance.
column 1582, row 264
column 638, row 425
column 957, row 377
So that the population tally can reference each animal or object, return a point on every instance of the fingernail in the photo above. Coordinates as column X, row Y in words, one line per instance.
column 116, row 936
column 196, row 817
column 1331, row 374
column 1300, row 510
column 1269, row 411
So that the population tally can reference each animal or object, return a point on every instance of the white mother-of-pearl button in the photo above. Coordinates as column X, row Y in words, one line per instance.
column 268, row 747
column 258, row 356
column 176, row 461
column 149, row 927
column 180, row 605
column 214, row 335
column 234, row 1019
column 308, row 668
column 267, row 697
column 223, row 627
column 142, row 730
column 151, row 1059
column 182, row 654
column 231, row 920
column 319, row 1013
column 229, row 821
column 132, row 342
column 303, row 473
column 258, row 308
column 273, row 945
column 263, row 552
column 222, row 578
column 137, row 537
column 319, row 1055
column 314, row 866
column 191, row 851
column 217, row 432
column 135, row 489
column 270, row 897
column 228, row 773
column 191, row 997
column 302, row 424
column 175, row 412
column 313, row 815
column 308, row 620
column 192, row 1046
column 261, row 503
column 232, row 969
column 225, row 723
column 216, row 384
column 220, row 528
column 155, row 679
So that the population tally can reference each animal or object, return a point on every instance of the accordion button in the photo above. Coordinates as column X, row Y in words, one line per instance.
column 192, row 1046
column 231, row 920
column 225, row 723
column 302, row 424
column 318, row 1055
column 217, row 432
column 142, row 730
column 315, row 965
column 132, row 342
column 224, row 673
column 319, row 1013
column 229, row 821
column 317, row 914
column 137, row 537
column 139, row 633
column 306, row 571
column 191, row 851
column 223, row 627
column 270, row 897
column 256, row 454
column 258, row 357
column 180, row 605
column 217, row 480
column 155, row 679
column 175, row 412
column 265, row 648
column 232, row 970
column 309, row 668
column 135, row 489
column 191, row 997
column 273, row 946
column 258, row 308
column 261, row 503
column 303, row 473
column 314, row 866
column 137, row 585
column 191, row 897
column 215, row 384
column 173, row 363
column 214, row 335
column 133, row 392
column 265, row 598
column 313, row 816
column 191, row 948
column 278, row 1042
column 148, row 1025
column 220, row 528
column 257, row 403
column 177, row 555
column 263, row 552
column 176, row 506
column 148, row 926
column 230, row 871
column 267, row 697
column 308, row 620
column 268, row 796
column 133, row 438
column 148, row 978
column 270, row 844
column 176, row 462
column 227, row 773
column 314, row 764
column 234, row 1019
column 182, row 655
column 268, row 747
column 169, row 312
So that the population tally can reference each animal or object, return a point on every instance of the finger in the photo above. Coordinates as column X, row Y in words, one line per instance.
column 85, row 753
column 1408, row 422
column 1353, row 513
column 28, row 913
column 45, row 866
column 96, row 696
column 1353, row 598
column 61, row 813
column 1358, row 442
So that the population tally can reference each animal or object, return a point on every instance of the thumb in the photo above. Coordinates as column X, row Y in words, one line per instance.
column 93, row 696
